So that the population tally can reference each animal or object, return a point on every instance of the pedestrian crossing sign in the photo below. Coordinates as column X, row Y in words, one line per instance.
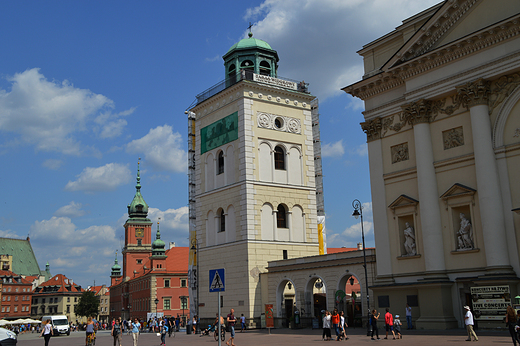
column 217, row 280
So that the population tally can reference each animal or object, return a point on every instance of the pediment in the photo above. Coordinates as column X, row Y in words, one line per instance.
column 403, row 201
column 458, row 190
column 453, row 21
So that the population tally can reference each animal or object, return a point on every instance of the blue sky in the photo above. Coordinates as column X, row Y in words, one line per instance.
column 88, row 87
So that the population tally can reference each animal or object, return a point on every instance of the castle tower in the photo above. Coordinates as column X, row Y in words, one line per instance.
column 115, row 274
column 252, row 167
column 158, row 258
column 138, row 233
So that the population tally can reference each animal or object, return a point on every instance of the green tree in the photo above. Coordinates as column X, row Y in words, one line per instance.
column 88, row 305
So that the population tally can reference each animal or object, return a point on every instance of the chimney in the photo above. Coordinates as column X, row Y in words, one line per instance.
column 172, row 244
column 359, row 246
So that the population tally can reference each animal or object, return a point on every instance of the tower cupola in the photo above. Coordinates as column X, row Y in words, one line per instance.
column 138, row 208
column 116, row 268
column 158, row 246
column 247, row 56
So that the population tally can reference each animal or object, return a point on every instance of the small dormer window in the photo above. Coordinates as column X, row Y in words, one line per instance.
column 139, row 207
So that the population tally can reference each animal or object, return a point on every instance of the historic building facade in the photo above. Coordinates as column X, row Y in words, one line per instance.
column 16, row 295
column 152, row 279
column 57, row 296
column 254, row 171
column 442, row 119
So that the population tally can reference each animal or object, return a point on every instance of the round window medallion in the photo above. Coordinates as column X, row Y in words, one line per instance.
column 278, row 122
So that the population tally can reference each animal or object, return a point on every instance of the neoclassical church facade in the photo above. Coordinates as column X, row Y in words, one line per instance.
column 442, row 119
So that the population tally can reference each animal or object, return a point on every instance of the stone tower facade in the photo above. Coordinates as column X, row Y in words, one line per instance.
column 254, row 180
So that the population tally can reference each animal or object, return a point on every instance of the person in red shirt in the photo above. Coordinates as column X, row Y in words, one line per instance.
column 335, row 322
column 389, row 323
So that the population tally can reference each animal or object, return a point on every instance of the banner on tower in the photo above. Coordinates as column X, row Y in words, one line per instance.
column 219, row 133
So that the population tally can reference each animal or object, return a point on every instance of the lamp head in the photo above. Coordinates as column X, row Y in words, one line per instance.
column 356, row 213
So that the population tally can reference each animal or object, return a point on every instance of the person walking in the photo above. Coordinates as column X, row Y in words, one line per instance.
column 242, row 323
column 135, row 330
column 511, row 324
column 117, row 333
column 335, row 322
column 231, row 323
column 374, row 317
column 408, row 317
column 389, row 323
column 164, row 330
column 397, row 327
column 326, row 326
column 343, row 325
column 47, row 332
column 468, row 320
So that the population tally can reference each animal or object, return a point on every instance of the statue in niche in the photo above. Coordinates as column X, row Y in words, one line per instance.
column 409, row 242
column 465, row 234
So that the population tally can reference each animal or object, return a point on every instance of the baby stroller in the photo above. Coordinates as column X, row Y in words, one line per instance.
column 207, row 331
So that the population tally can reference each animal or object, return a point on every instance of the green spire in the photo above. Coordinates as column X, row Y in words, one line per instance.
column 158, row 245
column 116, row 268
column 138, row 208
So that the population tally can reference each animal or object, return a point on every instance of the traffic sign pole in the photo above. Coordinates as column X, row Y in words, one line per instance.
column 219, row 326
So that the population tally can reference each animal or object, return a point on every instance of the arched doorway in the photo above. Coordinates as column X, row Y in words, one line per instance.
column 285, row 300
column 315, row 300
column 348, row 299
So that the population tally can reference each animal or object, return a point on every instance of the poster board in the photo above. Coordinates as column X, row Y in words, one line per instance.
column 269, row 316
column 490, row 302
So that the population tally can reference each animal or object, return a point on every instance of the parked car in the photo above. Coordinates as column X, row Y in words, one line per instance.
column 7, row 337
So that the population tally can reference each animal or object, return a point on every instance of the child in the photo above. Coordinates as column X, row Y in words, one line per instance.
column 242, row 323
column 397, row 327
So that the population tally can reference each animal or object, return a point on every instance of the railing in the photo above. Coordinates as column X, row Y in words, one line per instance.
column 245, row 75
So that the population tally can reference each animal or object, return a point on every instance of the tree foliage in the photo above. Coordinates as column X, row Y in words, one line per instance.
column 88, row 304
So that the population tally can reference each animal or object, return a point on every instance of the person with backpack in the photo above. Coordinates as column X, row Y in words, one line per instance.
column 117, row 332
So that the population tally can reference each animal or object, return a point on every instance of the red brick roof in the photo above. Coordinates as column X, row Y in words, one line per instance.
column 59, row 283
column 177, row 261
column 9, row 273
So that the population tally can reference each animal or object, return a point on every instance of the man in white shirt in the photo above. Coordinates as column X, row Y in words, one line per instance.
column 468, row 320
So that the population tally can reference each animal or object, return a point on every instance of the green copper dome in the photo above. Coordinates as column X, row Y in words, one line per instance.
column 158, row 245
column 138, row 208
column 250, row 43
column 116, row 268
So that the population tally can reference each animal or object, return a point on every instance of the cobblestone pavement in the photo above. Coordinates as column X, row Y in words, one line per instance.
column 301, row 337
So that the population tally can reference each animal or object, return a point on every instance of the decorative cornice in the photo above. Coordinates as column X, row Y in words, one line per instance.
column 473, row 93
column 372, row 128
column 432, row 34
column 428, row 60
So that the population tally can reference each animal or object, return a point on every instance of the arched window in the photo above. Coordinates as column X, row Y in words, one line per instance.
column 281, row 217
column 222, row 223
column 220, row 163
column 232, row 74
column 279, row 158
column 265, row 68
column 248, row 69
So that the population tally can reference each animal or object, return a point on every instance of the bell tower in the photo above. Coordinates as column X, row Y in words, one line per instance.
column 138, row 233
column 255, row 167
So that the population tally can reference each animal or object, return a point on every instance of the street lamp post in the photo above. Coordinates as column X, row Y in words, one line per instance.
column 358, row 211
column 156, row 302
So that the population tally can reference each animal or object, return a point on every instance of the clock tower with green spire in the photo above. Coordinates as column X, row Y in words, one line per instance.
column 138, row 233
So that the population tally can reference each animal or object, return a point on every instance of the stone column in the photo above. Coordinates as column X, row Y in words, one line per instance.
column 474, row 95
column 372, row 128
column 418, row 114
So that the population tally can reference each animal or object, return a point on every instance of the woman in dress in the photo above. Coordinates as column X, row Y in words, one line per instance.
column 47, row 331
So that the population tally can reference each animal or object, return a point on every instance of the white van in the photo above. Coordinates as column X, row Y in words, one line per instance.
column 60, row 324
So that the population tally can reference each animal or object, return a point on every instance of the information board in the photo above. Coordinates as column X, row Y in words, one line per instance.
column 219, row 133
column 490, row 302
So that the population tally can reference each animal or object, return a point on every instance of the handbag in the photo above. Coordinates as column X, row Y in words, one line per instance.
column 158, row 334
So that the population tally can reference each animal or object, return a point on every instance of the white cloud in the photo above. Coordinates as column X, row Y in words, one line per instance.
column 162, row 149
column 361, row 150
column 51, row 114
column 333, row 149
column 9, row 234
column 52, row 164
column 326, row 33
column 68, row 248
column 107, row 177
column 73, row 209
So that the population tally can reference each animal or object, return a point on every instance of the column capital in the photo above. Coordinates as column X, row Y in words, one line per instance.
column 372, row 128
column 474, row 93
column 417, row 112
